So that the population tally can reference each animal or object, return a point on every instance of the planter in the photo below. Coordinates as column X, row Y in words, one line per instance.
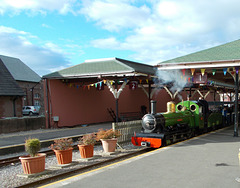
column 64, row 156
column 109, row 145
column 32, row 165
column 86, row 151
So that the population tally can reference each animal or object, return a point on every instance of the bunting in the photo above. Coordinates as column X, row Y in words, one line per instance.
column 214, row 71
column 192, row 71
column 225, row 71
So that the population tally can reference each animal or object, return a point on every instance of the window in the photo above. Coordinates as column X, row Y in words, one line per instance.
column 36, row 96
column 36, row 103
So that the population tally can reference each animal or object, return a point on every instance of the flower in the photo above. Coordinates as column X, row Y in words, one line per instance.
column 62, row 144
column 107, row 134
column 87, row 139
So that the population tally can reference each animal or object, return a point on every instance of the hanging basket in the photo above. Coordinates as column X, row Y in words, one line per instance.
column 86, row 151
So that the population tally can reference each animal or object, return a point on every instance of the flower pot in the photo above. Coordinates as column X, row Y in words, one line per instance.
column 64, row 156
column 86, row 151
column 32, row 165
column 109, row 145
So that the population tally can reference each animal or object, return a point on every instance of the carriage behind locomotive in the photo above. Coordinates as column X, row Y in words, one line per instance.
column 180, row 122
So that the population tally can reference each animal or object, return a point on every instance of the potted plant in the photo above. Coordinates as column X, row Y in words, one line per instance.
column 86, row 144
column 63, row 150
column 108, row 138
column 34, row 162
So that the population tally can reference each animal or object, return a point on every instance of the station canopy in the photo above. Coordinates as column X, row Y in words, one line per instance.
column 219, row 63
column 109, row 68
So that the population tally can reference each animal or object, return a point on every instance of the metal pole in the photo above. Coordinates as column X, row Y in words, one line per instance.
column 149, row 96
column 116, row 87
column 236, row 106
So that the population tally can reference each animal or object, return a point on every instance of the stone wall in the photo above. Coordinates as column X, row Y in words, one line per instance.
column 9, row 125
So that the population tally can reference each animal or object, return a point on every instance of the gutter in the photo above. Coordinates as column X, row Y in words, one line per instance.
column 199, row 64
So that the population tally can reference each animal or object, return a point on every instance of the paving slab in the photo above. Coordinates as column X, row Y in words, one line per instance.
column 208, row 161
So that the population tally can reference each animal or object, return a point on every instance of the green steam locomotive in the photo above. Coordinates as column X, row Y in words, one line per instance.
column 180, row 122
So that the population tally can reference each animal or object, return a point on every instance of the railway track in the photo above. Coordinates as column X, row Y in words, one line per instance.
column 82, row 169
column 9, row 160
column 15, row 159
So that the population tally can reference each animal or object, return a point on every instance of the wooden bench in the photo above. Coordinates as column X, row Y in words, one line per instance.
column 130, row 116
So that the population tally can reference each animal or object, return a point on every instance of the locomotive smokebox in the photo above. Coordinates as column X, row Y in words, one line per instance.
column 153, row 107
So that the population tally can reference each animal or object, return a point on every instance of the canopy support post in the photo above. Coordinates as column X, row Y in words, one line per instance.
column 236, row 106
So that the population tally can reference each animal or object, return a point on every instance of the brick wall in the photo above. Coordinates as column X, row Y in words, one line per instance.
column 7, row 106
column 34, row 94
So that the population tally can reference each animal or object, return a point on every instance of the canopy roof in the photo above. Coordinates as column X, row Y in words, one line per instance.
column 225, row 55
column 103, row 67
column 222, row 58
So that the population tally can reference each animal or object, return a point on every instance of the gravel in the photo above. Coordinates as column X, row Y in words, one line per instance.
column 9, row 173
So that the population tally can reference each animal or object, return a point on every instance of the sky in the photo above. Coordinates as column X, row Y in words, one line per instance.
column 50, row 35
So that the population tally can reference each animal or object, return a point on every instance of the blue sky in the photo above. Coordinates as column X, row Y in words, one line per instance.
column 49, row 35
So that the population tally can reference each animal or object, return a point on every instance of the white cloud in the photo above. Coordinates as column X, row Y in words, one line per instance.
column 172, row 28
column 42, row 59
column 115, row 15
column 153, row 30
column 109, row 43
column 40, row 6
column 46, row 26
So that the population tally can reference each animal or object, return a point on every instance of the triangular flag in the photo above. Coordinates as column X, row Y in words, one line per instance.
column 214, row 71
column 202, row 71
column 225, row 71
column 183, row 71
column 237, row 69
column 192, row 70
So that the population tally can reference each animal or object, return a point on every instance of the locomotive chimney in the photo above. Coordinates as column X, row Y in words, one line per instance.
column 153, row 107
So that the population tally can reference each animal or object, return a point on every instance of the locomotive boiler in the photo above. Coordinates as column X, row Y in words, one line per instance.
column 180, row 122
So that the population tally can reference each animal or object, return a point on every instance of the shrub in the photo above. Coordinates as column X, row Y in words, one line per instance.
column 32, row 146
column 62, row 144
column 87, row 139
column 107, row 134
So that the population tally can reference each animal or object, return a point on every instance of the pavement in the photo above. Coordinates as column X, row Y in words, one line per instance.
column 207, row 161
column 14, row 142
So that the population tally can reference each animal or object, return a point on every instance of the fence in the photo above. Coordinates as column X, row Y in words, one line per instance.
column 127, row 129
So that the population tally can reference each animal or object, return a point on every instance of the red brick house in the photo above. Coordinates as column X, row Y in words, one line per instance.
column 10, row 94
column 27, row 80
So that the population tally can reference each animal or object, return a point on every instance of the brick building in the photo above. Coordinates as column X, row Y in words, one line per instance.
column 10, row 94
column 27, row 80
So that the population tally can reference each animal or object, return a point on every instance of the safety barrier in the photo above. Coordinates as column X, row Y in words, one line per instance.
column 127, row 129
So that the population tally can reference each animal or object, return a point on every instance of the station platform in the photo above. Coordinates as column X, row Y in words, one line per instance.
column 208, row 161
column 14, row 142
